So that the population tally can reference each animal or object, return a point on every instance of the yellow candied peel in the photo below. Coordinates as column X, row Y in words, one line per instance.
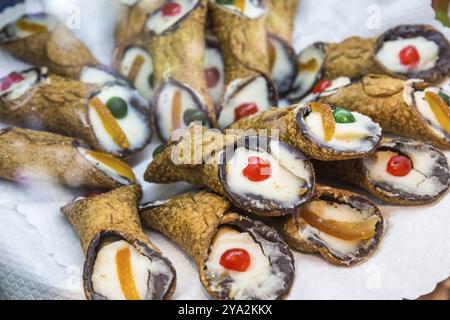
column 122, row 168
column 29, row 26
column 311, row 66
column 125, row 274
column 135, row 67
column 110, row 123
column 440, row 109
column 240, row 4
column 176, row 110
column 328, row 122
column 272, row 54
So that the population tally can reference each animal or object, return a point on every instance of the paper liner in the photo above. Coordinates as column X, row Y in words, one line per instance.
column 178, row 56
column 191, row 220
column 354, row 172
column 245, row 55
column 58, row 105
column 289, row 228
column 41, row 156
column 280, row 21
column 382, row 98
column 113, row 214
column 59, row 50
column 289, row 125
column 200, row 158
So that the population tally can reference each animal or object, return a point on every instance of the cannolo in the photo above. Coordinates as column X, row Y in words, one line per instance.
column 42, row 40
column 320, row 130
column 343, row 227
column 121, row 262
column 214, row 70
column 177, row 46
column 112, row 118
column 400, row 171
column 239, row 26
column 27, row 155
column 283, row 61
column 259, row 175
column 406, row 51
column 237, row 258
column 409, row 108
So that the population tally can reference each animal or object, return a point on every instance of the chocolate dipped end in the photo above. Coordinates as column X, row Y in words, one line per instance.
column 414, row 52
column 343, row 227
column 283, row 64
column 121, row 263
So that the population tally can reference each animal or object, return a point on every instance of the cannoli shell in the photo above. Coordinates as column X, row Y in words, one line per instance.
column 59, row 50
column 382, row 99
column 280, row 21
column 178, row 55
column 54, row 156
column 283, row 122
column 130, row 25
column 111, row 214
column 289, row 227
column 192, row 220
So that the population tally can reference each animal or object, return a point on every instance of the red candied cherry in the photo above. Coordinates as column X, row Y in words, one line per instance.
column 245, row 110
column 257, row 169
column 235, row 259
column 11, row 79
column 212, row 76
column 399, row 166
column 409, row 56
column 171, row 9
column 93, row 194
column 321, row 86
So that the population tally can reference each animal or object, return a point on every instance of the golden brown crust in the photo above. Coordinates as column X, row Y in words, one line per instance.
column 48, row 157
column 382, row 99
column 280, row 21
column 59, row 50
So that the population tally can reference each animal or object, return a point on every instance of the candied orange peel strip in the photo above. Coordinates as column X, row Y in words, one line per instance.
column 110, row 123
column 440, row 109
column 240, row 4
column 122, row 168
column 32, row 27
column 272, row 54
column 328, row 122
column 135, row 67
column 311, row 65
column 350, row 231
column 176, row 110
column 125, row 274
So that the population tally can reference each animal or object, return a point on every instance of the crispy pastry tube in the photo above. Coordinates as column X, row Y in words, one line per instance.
column 42, row 40
column 409, row 108
column 248, row 84
column 27, row 155
column 112, row 118
column 280, row 26
column 249, row 170
column 121, row 262
column 319, row 130
column 343, row 227
column 237, row 257
column 406, row 51
column 400, row 171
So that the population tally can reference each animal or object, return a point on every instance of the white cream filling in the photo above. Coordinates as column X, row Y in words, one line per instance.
column 105, row 278
column 256, row 91
column 258, row 280
column 164, row 109
column 45, row 20
column 425, row 110
column 348, row 136
column 428, row 50
column 134, row 125
column 109, row 171
column 95, row 75
column 306, row 79
column 141, row 82
column 419, row 181
column 287, row 177
column 17, row 90
column 214, row 59
column 336, row 84
column 282, row 67
column 251, row 9
column 158, row 23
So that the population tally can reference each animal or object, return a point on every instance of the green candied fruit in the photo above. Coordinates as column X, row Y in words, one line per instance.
column 151, row 80
column 343, row 116
column 118, row 107
column 158, row 150
column 445, row 97
column 225, row 2
column 195, row 115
